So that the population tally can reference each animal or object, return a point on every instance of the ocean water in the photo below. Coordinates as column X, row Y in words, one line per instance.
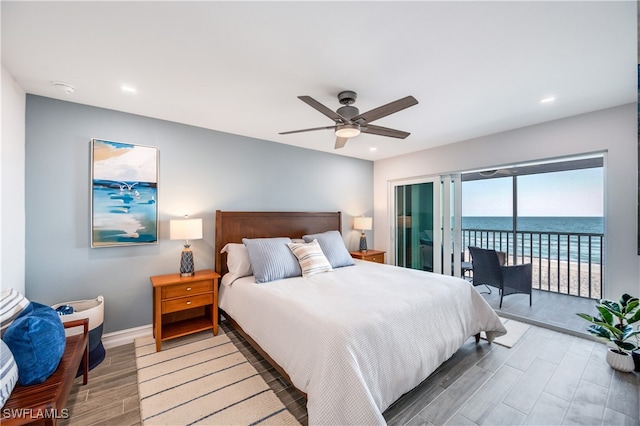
column 547, row 237
column 566, row 224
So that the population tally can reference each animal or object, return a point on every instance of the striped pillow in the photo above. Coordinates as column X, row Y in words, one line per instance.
column 12, row 303
column 311, row 258
column 8, row 373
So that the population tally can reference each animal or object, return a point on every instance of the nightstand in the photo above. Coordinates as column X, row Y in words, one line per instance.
column 184, row 305
column 370, row 255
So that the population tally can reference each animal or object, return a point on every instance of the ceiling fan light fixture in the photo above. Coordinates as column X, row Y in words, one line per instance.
column 348, row 131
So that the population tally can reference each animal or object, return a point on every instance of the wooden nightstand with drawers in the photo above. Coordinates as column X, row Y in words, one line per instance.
column 184, row 305
column 370, row 255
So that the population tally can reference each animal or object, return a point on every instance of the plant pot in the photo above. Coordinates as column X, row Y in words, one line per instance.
column 620, row 361
column 636, row 359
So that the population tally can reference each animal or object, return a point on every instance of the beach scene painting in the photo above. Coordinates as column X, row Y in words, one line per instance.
column 124, row 209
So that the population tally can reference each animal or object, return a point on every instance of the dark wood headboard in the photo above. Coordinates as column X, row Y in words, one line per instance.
column 232, row 227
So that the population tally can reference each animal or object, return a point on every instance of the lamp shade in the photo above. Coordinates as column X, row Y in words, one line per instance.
column 404, row 221
column 185, row 229
column 363, row 223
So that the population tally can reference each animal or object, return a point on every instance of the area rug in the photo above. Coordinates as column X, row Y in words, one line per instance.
column 203, row 379
column 515, row 330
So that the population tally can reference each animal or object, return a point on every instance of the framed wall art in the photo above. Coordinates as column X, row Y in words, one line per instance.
column 124, row 194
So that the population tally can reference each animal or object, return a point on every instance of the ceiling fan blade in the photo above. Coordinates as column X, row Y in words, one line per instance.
column 340, row 142
column 323, row 109
column 387, row 109
column 384, row 131
column 307, row 130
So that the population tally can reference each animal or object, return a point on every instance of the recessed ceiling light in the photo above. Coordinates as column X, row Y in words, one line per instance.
column 128, row 89
column 373, row 148
column 547, row 100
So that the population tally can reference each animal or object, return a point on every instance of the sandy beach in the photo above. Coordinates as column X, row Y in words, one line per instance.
column 567, row 277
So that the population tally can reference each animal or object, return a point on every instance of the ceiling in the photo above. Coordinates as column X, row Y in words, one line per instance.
column 476, row 68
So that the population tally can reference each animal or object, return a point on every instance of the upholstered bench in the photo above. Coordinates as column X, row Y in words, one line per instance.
column 45, row 403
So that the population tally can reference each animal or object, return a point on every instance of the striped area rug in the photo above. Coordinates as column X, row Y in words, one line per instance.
column 203, row 379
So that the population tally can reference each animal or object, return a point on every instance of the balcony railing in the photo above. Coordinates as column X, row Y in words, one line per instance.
column 567, row 263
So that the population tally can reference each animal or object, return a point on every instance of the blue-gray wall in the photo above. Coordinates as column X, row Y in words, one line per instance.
column 201, row 171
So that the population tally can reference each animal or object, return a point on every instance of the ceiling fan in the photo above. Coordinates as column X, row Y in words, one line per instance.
column 349, row 121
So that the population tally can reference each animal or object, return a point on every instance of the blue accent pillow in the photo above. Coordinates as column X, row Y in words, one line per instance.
column 333, row 247
column 37, row 341
column 271, row 259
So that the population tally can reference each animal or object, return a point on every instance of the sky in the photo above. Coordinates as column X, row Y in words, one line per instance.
column 569, row 193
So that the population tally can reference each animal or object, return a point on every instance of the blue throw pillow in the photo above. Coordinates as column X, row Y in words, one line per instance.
column 333, row 247
column 271, row 259
column 36, row 339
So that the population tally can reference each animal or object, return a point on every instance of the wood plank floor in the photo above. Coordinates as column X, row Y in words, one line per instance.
column 547, row 378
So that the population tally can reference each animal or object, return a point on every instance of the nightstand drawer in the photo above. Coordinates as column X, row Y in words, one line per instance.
column 369, row 255
column 186, row 289
column 183, row 303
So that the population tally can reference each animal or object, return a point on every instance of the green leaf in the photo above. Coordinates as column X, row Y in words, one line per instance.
column 600, row 331
column 635, row 333
column 633, row 303
column 587, row 317
column 626, row 332
column 606, row 314
column 635, row 317
column 613, row 307
column 614, row 330
column 627, row 346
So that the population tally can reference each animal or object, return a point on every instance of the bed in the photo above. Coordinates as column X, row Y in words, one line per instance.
column 353, row 339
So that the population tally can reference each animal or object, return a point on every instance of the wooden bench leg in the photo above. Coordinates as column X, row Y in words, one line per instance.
column 85, row 366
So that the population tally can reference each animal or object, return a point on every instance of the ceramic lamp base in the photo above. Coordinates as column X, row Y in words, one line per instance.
column 363, row 242
column 186, row 263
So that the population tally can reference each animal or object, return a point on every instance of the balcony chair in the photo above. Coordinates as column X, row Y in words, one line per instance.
column 488, row 270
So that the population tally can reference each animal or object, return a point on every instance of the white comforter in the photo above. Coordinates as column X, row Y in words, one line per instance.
column 358, row 338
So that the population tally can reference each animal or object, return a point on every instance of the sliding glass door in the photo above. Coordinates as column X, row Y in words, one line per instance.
column 414, row 225
column 426, row 224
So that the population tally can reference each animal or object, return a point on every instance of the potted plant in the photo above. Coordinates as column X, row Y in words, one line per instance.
column 614, row 325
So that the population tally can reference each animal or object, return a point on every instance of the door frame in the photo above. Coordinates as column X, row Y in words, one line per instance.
column 391, row 206
column 449, row 242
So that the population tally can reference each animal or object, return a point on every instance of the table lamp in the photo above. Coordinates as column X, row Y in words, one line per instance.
column 364, row 224
column 186, row 229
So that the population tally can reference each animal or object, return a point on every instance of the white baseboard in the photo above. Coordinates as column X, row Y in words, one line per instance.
column 123, row 337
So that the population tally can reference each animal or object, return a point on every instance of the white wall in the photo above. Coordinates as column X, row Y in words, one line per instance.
column 200, row 171
column 613, row 131
column 12, row 184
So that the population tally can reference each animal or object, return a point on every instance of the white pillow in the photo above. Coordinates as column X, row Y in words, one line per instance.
column 238, row 262
column 311, row 258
